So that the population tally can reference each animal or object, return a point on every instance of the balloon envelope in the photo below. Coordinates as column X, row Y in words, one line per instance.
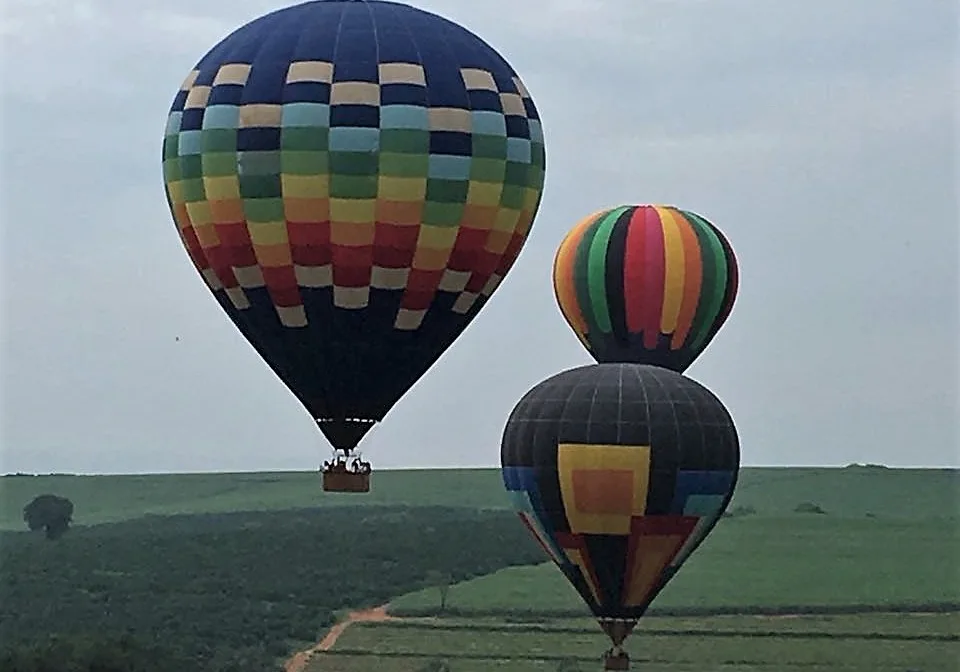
column 645, row 284
column 619, row 471
column 352, row 180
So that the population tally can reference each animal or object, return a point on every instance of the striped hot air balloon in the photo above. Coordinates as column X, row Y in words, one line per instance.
column 645, row 284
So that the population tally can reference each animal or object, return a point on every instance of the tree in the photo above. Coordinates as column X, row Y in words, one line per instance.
column 49, row 513
column 442, row 581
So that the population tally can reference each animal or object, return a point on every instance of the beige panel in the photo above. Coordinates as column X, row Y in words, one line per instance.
column 188, row 82
column 197, row 98
column 351, row 297
column 521, row 88
column 491, row 285
column 464, row 302
column 232, row 73
column 512, row 104
column 454, row 281
column 259, row 115
column 238, row 298
column 314, row 276
column 292, row 316
column 478, row 79
column 408, row 320
column 449, row 119
column 402, row 73
column 249, row 277
column 310, row 71
column 389, row 278
column 209, row 277
column 355, row 93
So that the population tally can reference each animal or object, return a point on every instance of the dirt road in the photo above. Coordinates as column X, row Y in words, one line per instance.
column 298, row 663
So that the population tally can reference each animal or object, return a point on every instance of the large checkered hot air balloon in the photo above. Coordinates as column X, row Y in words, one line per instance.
column 619, row 471
column 645, row 284
column 352, row 179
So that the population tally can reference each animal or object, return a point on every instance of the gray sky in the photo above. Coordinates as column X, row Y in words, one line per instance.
column 820, row 136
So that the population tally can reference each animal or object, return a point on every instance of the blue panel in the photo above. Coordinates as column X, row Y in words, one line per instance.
column 404, row 116
column 403, row 94
column 347, row 139
column 225, row 94
column 366, row 116
column 306, row 92
column 258, row 139
column 451, row 142
column 699, row 483
column 222, row 116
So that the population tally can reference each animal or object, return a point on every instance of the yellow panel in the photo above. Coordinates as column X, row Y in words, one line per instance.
column 200, row 214
column 437, row 237
column 652, row 554
column 268, row 233
column 577, row 457
column 507, row 220
column 484, row 193
column 402, row 188
column 207, row 236
column 305, row 186
column 175, row 191
column 353, row 210
column 577, row 558
column 674, row 273
column 222, row 188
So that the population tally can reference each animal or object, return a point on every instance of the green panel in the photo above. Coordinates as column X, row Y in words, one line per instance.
column 597, row 269
column 171, row 170
column 447, row 191
column 581, row 277
column 353, row 186
column 489, row 146
column 714, row 282
column 259, row 163
column 192, row 190
column 404, row 141
column 219, row 164
column 517, row 174
column 305, row 163
column 260, row 186
column 171, row 147
column 488, row 170
column 263, row 209
column 191, row 166
column 354, row 163
column 218, row 140
column 314, row 139
column 442, row 214
column 513, row 196
column 404, row 165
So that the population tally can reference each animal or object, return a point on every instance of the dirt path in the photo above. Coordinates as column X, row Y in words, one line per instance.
column 298, row 663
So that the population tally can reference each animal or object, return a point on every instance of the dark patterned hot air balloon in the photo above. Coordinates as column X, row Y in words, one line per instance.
column 645, row 284
column 352, row 179
column 619, row 471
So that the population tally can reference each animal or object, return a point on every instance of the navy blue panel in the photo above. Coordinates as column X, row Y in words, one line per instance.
column 258, row 139
column 364, row 116
column 403, row 94
column 517, row 127
column 483, row 99
column 192, row 119
column 451, row 142
column 318, row 38
column 179, row 101
column 396, row 45
column 226, row 94
column 306, row 92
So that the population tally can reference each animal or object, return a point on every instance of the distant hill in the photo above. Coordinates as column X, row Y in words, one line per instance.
column 855, row 491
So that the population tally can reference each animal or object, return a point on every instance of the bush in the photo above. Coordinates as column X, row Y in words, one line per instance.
column 809, row 507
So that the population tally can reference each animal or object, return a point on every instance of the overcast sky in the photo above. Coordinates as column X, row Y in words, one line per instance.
column 820, row 136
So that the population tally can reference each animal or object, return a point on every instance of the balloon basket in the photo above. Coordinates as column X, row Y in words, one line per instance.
column 616, row 661
column 338, row 477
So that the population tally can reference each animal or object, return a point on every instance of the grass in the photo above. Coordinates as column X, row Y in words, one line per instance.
column 875, row 642
column 772, row 563
column 853, row 492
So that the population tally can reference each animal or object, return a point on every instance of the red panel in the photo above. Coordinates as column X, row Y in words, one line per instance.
column 233, row 234
column 352, row 265
column 466, row 247
column 420, row 280
column 239, row 255
column 394, row 245
column 311, row 255
column 301, row 234
column 282, row 285
column 663, row 526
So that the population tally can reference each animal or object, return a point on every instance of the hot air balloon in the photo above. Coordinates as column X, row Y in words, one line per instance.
column 645, row 284
column 619, row 471
column 353, row 180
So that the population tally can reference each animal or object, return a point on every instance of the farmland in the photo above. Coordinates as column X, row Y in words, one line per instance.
column 236, row 571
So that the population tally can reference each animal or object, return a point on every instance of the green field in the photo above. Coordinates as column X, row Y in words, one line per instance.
column 882, row 540
column 851, row 492
column 874, row 642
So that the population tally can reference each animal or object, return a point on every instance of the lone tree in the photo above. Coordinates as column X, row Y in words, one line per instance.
column 49, row 513
column 442, row 582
